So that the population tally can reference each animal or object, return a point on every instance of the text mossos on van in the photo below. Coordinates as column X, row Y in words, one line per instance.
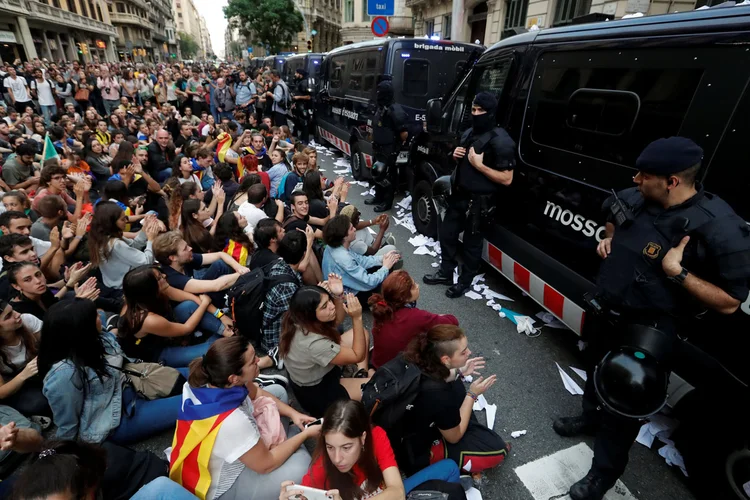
column 446, row 48
column 576, row 222
column 345, row 112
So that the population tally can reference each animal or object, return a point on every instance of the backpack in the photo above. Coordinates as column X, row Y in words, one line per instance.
column 391, row 392
column 285, row 101
column 247, row 298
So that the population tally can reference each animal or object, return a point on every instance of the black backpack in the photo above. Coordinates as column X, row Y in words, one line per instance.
column 391, row 392
column 247, row 298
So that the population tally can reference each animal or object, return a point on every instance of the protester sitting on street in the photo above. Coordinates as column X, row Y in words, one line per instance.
column 396, row 319
column 18, row 201
column 53, row 211
column 209, row 273
column 187, row 191
column 197, row 225
column 364, row 242
column 182, row 169
column 53, row 180
column 33, row 296
column 19, row 436
column 267, row 236
column 339, row 233
column 355, row 460
column 277, row 171
column 314, row 351
column 99, row 161
column 20, row 248
column 114, row 254
column 156, row 313
column 233, row 237
column 443, row 422
column 320, row 208
column 252, row 209
column 253, row 449
column 294, row 177
column 18, row 172
column 14, row 222
column 88, row 395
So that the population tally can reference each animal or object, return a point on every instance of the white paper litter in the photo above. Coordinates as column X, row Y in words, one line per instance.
column 658, row 426
column 550, row 320
column 525, row 325
column 341, row 172
column 490, row 294
column 569, row 383
column 581, row 345
column 480, row 404
column 419, row 240
column 673, row 456
column 468, row 379
column 491, row 412
column 423, row 250
column 405, row 203
column 455, row 275
column 435, row 264
column 477, row 279
column 580, row 373
column 473, row 493
column 473, row 295
column 517, row 434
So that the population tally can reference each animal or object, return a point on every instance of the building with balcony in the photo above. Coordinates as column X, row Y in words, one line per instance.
column 187, row 20
column 355, row 23
column 57, row 30
column 205, row 39
column 322, row 25
column 141, row 29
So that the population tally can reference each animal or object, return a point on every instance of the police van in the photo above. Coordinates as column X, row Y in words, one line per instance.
column 309, row 62
column 274, row 62
column 420, row 68
column 581, row 102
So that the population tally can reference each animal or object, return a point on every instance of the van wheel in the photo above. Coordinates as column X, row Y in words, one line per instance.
column 423, row 209
column 358, row 163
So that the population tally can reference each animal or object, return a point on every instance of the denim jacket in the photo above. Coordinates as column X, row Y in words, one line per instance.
column 86, row 412
column 353, row 267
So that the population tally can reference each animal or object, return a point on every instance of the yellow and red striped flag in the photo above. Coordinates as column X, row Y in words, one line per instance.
column 238, row 251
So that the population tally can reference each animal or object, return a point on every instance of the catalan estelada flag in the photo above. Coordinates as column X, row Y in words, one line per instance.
column 203, row 411
column 238, row 251
column 225, row 142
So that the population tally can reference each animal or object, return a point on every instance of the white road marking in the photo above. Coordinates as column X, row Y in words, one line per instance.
column 550, row 477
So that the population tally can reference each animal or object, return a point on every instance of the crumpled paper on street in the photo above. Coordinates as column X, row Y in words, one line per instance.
column 570, row 384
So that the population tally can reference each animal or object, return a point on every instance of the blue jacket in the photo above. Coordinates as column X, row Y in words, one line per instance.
column 353, row 268
column 88, row 413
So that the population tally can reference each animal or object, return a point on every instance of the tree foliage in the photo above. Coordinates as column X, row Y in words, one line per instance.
column 188, row 46
column 268, row 23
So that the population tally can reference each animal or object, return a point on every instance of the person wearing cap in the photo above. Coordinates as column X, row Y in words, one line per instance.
column 672, row 253
column 485, row 158
column 389, row 131
column 302, row 107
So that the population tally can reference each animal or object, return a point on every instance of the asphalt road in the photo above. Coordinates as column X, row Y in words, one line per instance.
column 529, row 392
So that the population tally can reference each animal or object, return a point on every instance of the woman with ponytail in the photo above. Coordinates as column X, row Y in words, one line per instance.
column 354, row 460
column 396, row 319
column 442, row 423
column 225, row 413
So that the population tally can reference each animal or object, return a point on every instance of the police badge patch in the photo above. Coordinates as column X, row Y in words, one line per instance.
column 652, row 250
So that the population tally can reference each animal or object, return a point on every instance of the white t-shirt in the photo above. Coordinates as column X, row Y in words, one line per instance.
column 193, row 178
column 252, row 213
column 44, row 92
column 16, row 355
column 32, row 323
column 362, row 241
column 18, row 86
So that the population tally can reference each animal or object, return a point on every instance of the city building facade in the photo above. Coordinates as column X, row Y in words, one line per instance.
column 56, row 30
column 205, row 40
column 142, row 34
column 355, row 23
column 187, row 20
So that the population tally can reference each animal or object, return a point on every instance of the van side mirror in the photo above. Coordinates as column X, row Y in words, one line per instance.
column 434, row 115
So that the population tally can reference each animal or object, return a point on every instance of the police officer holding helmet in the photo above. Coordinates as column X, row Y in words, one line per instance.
column 672, row 252
column 486, row 158
column 389, row 131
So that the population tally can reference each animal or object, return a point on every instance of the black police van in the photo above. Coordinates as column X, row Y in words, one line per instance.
column 311, row 63
column 275, row 62
column 420, row 68
column 581, row 103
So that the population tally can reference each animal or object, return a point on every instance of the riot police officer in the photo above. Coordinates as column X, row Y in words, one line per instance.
column 672, row 252
column 486, row 158
column 302, row 97
column 389, row 131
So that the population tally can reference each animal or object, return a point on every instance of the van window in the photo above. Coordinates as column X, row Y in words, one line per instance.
column 416, row 77
column 608, row 113
column 338, row 67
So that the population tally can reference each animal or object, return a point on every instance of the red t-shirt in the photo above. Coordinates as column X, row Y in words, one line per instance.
column 316, row 476
column 393, row 336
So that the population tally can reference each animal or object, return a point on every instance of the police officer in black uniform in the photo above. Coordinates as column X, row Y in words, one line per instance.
column 302, row 97
column 486, row 158
column 672, row 252
column 389, row 132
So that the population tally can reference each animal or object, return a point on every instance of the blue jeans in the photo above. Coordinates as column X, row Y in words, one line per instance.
column 162, row 488
column 444, row 470
column 163, row 175
column 142, row 418
column 225, row 114
column 179, row 357
column 209, row 325
column 48, row 112
column 215, row 270
column 111, row 105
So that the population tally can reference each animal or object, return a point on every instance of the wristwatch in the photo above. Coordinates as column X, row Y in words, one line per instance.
column 679, row 278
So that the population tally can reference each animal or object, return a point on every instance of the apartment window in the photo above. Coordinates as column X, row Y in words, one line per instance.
column 73, row 6
column 99, row 13
column 515, row 13
column 84, row 9
column 429, row 27
column 567, row 10
column 56, row 3
column 365, row 17
column 348, row 11
column 92, row 11
column 447, row 27
column 179, row 15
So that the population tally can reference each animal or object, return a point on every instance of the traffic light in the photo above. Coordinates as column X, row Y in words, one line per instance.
column 309, row 45
column 80, row 47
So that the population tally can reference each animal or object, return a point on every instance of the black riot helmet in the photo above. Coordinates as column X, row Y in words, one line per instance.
column 380, row 173
column 385, row 93
column 442, row 186
column 631, row 381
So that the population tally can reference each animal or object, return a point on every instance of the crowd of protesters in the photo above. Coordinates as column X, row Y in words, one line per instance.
column 134, row 198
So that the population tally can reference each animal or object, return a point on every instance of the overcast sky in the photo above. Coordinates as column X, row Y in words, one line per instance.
column 213, row 11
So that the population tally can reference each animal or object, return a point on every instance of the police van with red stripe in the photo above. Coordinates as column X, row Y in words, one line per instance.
column 420, row 68
column 581, row 102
